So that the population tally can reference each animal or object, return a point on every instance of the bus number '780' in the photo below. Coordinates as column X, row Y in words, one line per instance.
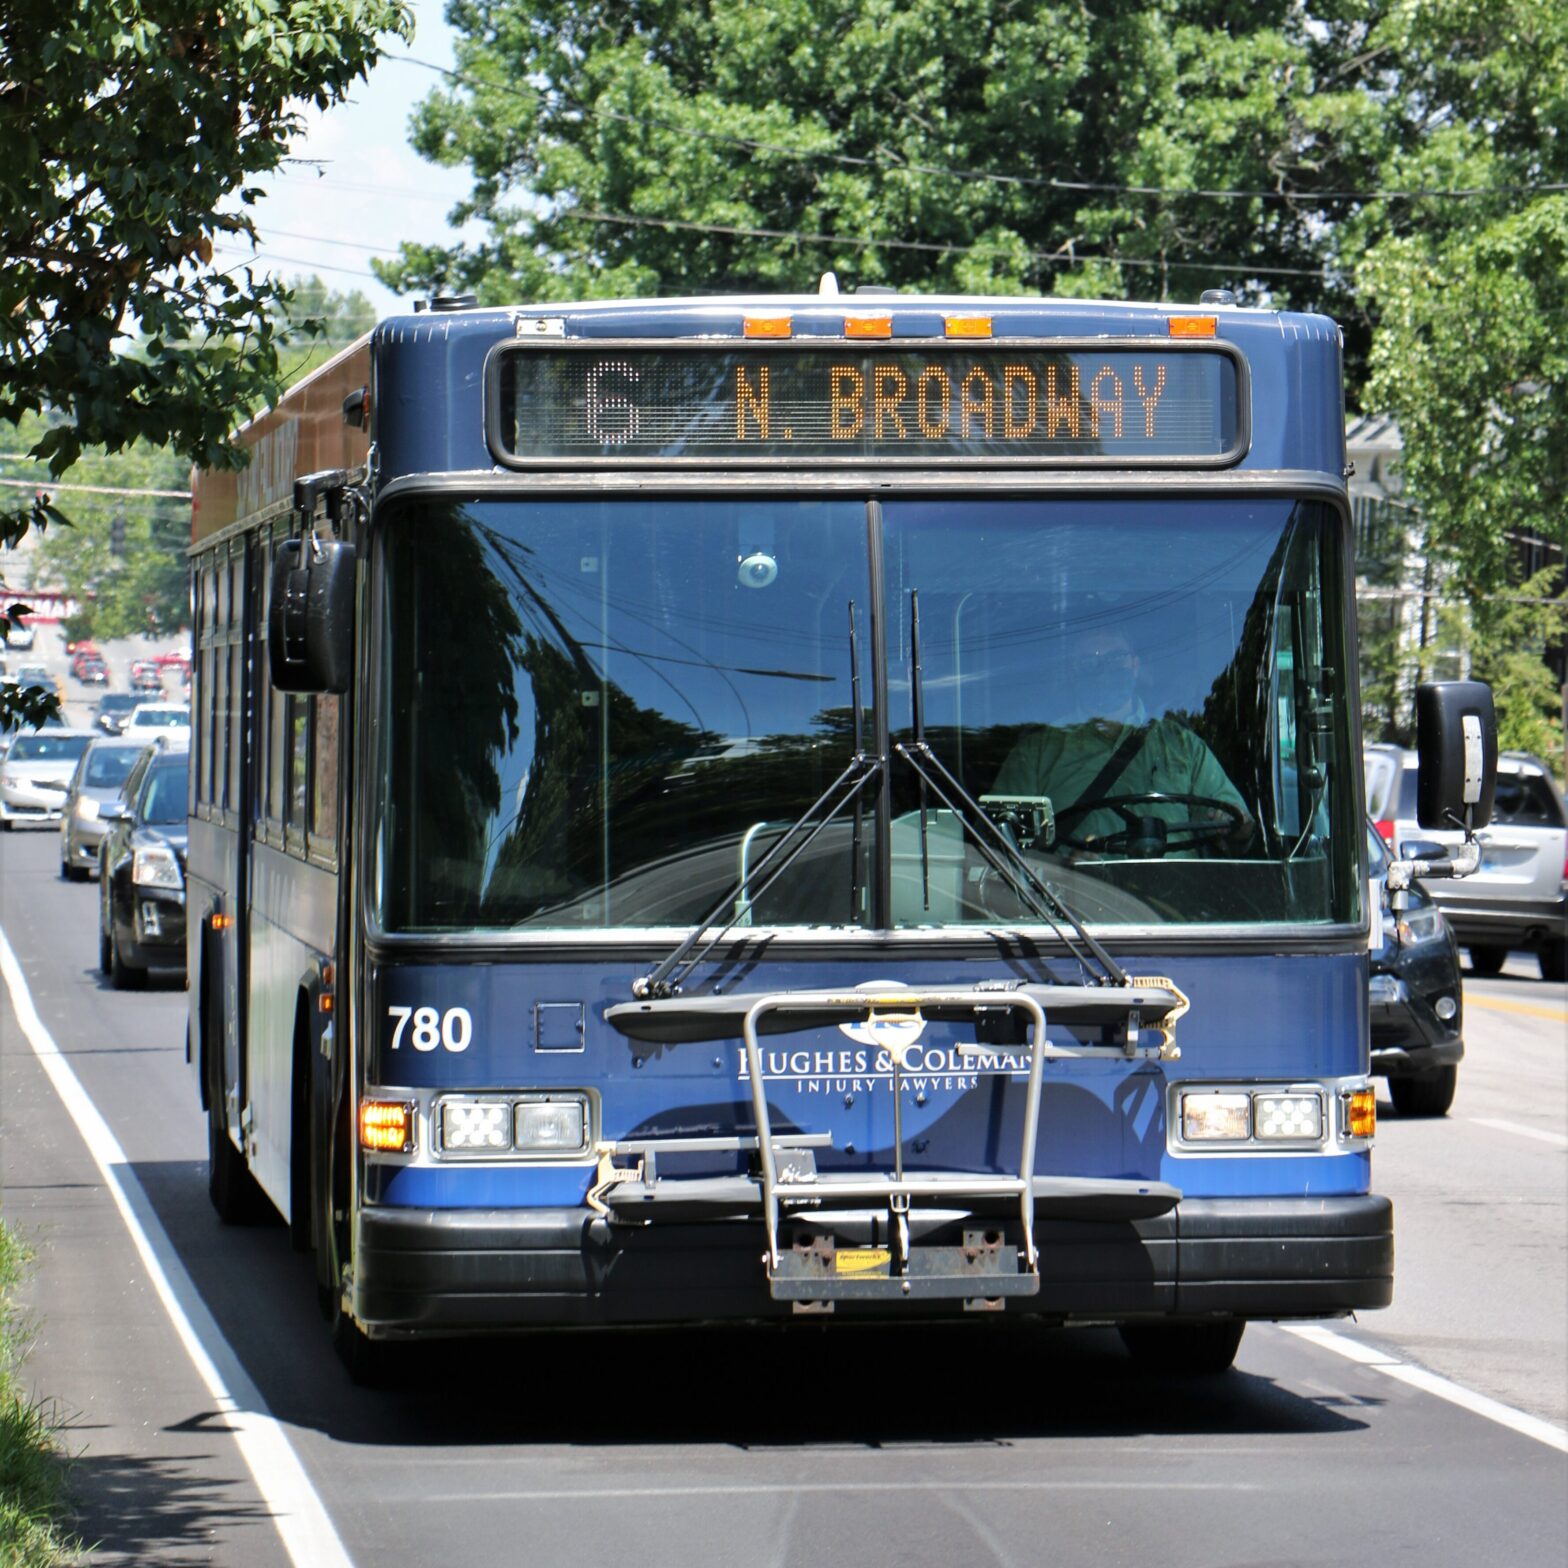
column 453, row 1029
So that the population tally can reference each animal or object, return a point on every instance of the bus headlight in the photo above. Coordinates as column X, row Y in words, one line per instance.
column 1294, row 1117
column 552, row 1124
column 470, row 1126
column 155, row 866
column 1219, row 1118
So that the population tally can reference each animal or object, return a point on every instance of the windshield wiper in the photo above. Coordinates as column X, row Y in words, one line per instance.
column 1037, row 896
column 667, row 978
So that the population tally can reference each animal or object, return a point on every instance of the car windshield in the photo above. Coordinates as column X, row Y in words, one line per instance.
column 603, row 714
column 116, row 702
column 108, row 766
column 44, row 747
column 164, row 795
column 161, row 718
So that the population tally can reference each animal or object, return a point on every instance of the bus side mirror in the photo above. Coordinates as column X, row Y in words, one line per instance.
column 310, row 616
column 1456, row 743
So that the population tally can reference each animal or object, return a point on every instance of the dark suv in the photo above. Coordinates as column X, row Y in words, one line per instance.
column 141, row 920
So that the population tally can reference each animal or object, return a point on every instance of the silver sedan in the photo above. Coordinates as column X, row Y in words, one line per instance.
column 103, row 768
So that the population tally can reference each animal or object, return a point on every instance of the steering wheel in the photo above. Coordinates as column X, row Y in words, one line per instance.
column 1145, row 834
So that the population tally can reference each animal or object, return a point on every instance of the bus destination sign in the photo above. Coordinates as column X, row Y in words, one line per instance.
column 1114, row 404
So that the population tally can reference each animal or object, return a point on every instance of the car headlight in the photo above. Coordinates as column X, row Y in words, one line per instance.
column 86, row 808
column 155, row 866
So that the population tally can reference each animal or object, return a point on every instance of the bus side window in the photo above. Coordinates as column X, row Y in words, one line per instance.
column 277, row 740
column 211, row 697
column 199, row 688
column 324, row 775
column 236, row 657
column 295, row 822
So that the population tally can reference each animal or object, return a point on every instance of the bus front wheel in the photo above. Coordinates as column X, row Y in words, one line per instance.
column 1200, row 1349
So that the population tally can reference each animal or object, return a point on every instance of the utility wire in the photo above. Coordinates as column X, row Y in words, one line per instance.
column 269, row 257
column 49, row 486
column 1068, row 256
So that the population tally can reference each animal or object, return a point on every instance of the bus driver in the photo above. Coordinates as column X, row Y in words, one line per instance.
column 1105, row 767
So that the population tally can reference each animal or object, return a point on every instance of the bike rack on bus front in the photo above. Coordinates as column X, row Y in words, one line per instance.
column 815, row 1271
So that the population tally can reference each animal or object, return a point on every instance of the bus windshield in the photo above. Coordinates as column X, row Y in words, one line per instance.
column 602, row 714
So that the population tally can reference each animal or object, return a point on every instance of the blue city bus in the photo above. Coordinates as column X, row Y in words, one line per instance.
column 786, row 807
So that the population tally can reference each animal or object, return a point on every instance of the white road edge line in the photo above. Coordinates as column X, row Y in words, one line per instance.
column 1431, row 1383
column 1556, row 1139
column 303, row 1523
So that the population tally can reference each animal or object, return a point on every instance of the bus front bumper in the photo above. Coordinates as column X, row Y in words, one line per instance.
column 476, row 1271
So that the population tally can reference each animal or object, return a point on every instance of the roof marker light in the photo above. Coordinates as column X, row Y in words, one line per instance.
column 1191, row 326
column 967, row 326
column 868, row 326
column 768, row 326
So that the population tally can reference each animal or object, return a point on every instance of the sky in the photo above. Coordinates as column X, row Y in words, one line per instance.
column 366, row 189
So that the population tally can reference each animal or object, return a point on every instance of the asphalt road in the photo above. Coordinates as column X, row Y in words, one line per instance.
column 695, row 1448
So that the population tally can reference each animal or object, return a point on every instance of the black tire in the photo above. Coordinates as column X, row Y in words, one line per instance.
column 105, row 951
column 1188, row 1349
column 230, row 1185
column 123, row 976
column 370, row 1363
column 1487, row 958
column 1552, row 959
column 1428, row 1094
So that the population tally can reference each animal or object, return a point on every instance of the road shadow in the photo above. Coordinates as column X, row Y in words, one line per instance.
column 981, row 1381
column 157, row 980
column 130, row 1509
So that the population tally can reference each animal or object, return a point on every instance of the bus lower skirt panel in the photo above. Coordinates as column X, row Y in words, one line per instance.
column 485, row 1271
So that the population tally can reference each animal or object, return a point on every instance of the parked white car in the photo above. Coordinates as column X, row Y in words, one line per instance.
column 169, row 722
column 1518, row 898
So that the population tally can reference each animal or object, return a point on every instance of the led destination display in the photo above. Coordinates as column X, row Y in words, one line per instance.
column 1132, row 405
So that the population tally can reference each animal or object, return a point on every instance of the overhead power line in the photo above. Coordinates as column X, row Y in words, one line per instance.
column 989, row 176
column 1069, row 256
column 294, row 261
column 49, row 486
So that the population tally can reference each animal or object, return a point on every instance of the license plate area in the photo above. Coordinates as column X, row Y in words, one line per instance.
column 980, row 1270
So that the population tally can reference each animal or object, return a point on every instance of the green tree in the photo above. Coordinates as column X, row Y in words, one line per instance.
column 317, row 322
column 972, row 144
column 145, row 585
column 1470, row 299
column 132, row 129
column 1397, row 165
column 1512, row 632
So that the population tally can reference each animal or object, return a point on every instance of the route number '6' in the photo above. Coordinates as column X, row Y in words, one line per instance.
column 427, row 1028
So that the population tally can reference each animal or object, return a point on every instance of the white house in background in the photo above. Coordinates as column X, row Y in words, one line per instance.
column 1388, row 530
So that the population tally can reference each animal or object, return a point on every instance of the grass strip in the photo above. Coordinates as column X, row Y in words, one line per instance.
column 31, row 1475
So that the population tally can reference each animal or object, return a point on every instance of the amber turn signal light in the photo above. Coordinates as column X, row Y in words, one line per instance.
column 387, row 1126
column 1361, row 1113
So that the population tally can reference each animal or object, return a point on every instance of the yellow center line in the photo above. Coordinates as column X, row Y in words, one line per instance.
column 1506, row 1005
